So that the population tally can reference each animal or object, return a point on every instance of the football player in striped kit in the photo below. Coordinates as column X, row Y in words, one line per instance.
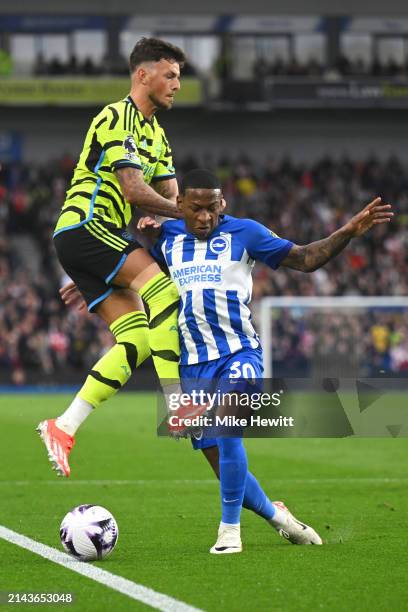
column 210, row 257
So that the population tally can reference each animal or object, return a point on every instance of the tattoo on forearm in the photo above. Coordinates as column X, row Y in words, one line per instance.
column 138, row 193
column 312, row 256
column 166, row 189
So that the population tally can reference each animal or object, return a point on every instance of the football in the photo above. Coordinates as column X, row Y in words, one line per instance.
column 89, row 532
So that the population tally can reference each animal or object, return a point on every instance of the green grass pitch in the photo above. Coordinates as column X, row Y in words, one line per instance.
column 353, row 491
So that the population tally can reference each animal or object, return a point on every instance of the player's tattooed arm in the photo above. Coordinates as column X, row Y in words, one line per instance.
column 167, row 189
column 310, row 257
column 138, row 193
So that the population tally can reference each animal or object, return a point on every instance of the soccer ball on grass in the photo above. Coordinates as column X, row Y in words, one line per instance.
column 89, row 532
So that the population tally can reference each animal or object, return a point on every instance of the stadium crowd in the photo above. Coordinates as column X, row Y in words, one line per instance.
column 222, row 67
column 300, row 202
column 343, row 67
column 88, row 67
column 329, row 344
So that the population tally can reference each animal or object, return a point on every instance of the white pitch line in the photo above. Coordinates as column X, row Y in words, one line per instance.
column 156, row 600
column 161, row 483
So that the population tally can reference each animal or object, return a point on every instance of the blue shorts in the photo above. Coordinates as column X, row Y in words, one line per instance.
column 229, row 374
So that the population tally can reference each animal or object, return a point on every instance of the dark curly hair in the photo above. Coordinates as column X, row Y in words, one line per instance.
column 153, row 50
column 199, row 178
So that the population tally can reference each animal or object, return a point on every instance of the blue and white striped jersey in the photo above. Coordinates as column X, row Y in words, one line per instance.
column 214, row 280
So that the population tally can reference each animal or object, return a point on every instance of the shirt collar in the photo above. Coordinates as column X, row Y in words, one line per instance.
column 133, row 103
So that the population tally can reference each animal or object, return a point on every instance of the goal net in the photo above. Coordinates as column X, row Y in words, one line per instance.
column 334, row 337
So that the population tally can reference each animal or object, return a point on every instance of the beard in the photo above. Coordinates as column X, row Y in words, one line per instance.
column 159, row 104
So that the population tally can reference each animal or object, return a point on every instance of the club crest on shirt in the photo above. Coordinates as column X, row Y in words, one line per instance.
column 219, row 245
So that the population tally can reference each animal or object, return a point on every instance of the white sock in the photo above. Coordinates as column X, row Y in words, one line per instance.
column 74, row 416
column 279, row 518
column 224, row 525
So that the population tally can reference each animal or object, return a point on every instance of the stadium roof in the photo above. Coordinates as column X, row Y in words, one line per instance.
column 299, row 7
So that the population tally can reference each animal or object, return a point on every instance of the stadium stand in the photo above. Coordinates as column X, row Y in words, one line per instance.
column 40, row 337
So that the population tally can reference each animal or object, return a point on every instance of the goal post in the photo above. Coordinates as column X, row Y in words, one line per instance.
column 353, row 315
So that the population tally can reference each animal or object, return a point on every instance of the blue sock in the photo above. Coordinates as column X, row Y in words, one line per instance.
column 255, row 498
column 233, row 475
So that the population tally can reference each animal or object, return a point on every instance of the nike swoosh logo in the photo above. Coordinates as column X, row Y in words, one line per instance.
column 229, row 501
column 302, row 525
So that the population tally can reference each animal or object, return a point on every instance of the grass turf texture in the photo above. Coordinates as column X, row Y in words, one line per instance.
column 166, row 526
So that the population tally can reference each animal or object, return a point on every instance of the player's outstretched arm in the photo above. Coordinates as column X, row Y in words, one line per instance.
column 310, row 257
column 138, row 193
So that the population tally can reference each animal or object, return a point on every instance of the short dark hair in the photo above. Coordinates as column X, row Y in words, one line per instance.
column 153, row 50
column 200, row 178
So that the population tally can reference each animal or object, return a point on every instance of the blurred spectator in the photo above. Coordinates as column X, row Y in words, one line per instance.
column 72, row 66
column 89, row 68
column 56, row 67
column 40, row 65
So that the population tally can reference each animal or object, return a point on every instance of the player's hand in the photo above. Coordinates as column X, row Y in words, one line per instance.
column 71, row 296
column 373, row 214
column 148, row 226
